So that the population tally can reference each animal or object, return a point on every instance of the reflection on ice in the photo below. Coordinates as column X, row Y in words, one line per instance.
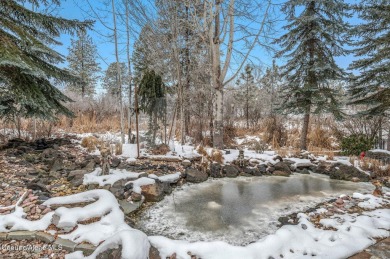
column 239, row 210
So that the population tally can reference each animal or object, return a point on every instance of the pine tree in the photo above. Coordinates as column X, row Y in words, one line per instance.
column 152, row 101
column 82, row 62
column 247, row 91
column 28, row 63
column 110, row 78
column 313, row 38
column 372, row 85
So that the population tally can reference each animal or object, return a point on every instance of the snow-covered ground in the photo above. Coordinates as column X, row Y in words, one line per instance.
column 354, row 232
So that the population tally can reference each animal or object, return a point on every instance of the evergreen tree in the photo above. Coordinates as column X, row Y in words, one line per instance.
column 315, row 35
column 82, row 62
column 152, row 101
column 372, row 85
column 27, row 63
column 110, row 78
column 247, row 91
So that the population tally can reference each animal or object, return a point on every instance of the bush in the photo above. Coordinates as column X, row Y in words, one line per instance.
column 355, row 144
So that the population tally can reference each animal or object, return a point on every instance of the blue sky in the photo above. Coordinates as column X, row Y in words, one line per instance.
column 79, row 9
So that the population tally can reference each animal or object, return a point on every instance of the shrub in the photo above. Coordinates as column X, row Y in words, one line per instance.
column 89, row 143
column 161, row 149
column 355, row 144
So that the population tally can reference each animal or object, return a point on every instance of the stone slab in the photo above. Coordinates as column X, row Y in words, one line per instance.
column 129, row 207
column 21, row 235
column 65, row 244
column 87, row 249
column 3, row 236
column 45, row 237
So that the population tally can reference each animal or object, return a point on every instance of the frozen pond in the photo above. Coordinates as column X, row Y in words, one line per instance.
column 240, row 210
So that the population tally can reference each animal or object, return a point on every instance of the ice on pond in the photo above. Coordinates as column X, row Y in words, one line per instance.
column 241, row 210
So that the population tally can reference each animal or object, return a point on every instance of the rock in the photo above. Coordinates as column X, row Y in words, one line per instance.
column 21, row 235
column 281, row 173
column 129, row 207
column 186, row 163
column 302, row 171
column 37, row 186
column 76, row 182
column 230, row 171
column 154, row 253
column 56, row 165
column 339, row 201
column 270, row 169
column 253, row 171
column 44, row 237
column 245, row 174
column 195, row 176
column 324, row 168
column 114, row 253
column 90, row 166
column 87, row 249
column 65, row 244
column 355, row 179
column 54, row 174
column 262, row 168
column 3, row 236
column 346, row 172
column 115, row 161
column 215, row 170
column 153, row 192
column 282, row 166
column 136, row 196
column 77, row 174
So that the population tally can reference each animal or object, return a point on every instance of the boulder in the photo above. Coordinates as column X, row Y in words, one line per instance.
column 56, row 165
column 283, row 167
column 195, row 176
column 253, row 171
column 324, row 167
column 281, row 173
column 153, row 192
column 347, row 173
column 230, row 171
column 262, row 168
column 186, row 163
column 77, row 174
column 115, row 162
column 215, row 170
column 90, row 166
column 302, row 171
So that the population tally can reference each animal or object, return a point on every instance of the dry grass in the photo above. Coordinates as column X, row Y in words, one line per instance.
column 379, row 168
column 162, row 149
column 201, row 150
column 118, row 148
column 288, row 152
column 216, row 156
column 90, row 143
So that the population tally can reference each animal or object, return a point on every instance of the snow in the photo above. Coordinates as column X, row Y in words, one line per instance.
column 266, row 157
column 380, row 151
column 111, row 228
column 370, row 201
column 15, row 221
column 137, row 184
column 115, row 175
column 129, row 150
column 170, row 178
column 292, row 241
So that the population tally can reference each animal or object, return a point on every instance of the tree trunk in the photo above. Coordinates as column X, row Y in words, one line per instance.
column 136, row 116
column 305, row 130
column 130, row 73
column 388, row 139
column 118, row 70
column 217, row 83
